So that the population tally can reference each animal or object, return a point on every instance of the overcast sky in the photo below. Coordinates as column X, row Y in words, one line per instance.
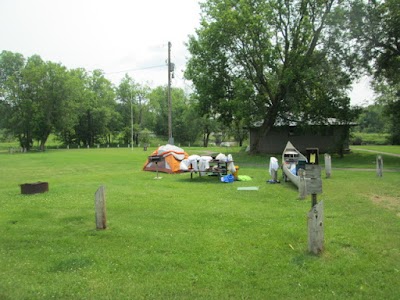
column 118, row 36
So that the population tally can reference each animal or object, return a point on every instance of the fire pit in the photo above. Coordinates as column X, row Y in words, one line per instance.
column 34, row 188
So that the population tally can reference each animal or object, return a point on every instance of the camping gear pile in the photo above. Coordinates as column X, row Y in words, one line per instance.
column 172, row 159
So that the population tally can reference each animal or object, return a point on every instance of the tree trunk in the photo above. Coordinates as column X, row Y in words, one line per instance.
column 255, row 146
column 25, row 141
column 206, row 138
column 43, row 141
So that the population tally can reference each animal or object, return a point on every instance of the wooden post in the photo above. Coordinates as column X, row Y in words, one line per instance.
column 314, row 200
column 302, row 184
column 316, row 229
column 379, row 166
column 100, row 208
column 316, row 214
column 328, row 165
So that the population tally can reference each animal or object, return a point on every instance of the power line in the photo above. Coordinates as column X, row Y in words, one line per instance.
column 132, row 70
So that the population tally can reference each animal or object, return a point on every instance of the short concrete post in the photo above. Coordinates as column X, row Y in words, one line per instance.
column 100, row 208
column 328, row 165
column 379, row 166
column 302, row 184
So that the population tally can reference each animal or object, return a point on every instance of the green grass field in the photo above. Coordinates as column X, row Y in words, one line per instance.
column 384, row 149
column 177, row 238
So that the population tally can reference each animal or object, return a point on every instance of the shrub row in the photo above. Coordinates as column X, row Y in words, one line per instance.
column 361, row 138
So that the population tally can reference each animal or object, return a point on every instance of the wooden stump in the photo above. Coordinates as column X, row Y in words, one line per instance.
column 316, row 229
column 100, row 208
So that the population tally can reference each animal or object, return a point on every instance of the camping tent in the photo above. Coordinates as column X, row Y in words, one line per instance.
column 166, row 158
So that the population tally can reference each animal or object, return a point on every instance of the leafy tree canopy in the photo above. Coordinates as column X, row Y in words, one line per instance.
column 376, row 34
column 272, row 60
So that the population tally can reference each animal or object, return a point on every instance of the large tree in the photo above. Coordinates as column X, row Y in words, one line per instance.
column 376, row 32
column 185, row 118
column 47, row 84
column 35, row 97
column 97, row 110
column 272, row 59
column 133, row 105
column 12, row 109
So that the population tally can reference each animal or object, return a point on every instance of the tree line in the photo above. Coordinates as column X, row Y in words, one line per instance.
column 39, row 98
column 274, row 61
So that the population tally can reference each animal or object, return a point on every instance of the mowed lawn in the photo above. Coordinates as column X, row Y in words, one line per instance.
column 182, row 238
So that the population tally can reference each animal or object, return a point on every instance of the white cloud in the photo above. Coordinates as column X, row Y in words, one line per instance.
column 362, row 94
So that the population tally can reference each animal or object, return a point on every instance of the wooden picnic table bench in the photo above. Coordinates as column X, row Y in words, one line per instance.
column 216, row 168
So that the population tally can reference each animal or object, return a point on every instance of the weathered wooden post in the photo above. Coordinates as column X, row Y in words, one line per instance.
column 328, row 165
column 316, row 214
column 316, row 228
column 100, row 208
column 379, row 166
column 302, row 184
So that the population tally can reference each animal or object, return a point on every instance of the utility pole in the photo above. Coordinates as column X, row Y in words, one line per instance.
column 170, row 73
column 131, row 121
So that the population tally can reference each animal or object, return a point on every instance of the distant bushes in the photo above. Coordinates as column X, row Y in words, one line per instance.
column 361, row 138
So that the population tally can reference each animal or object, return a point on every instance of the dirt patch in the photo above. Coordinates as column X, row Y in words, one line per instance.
column 388, row 202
